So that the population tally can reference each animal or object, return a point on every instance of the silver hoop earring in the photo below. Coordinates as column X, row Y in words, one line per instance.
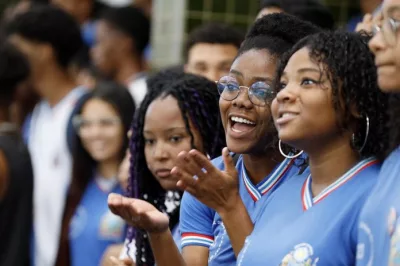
column 353, row 138
column 285, row 155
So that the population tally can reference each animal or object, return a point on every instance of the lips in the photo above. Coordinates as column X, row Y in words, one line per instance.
column 163, row 173
column 285, row 117
column 240, row 126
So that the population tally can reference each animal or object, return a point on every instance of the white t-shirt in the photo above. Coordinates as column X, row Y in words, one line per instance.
column 52, row 163
column 138, row 89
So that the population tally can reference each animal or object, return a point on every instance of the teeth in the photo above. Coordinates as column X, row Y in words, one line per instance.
column 287, row 114
column 242, row 120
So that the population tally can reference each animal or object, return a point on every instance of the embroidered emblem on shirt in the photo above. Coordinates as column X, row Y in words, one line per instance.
column 301, row 255
column 111, row 226
column 394, row 232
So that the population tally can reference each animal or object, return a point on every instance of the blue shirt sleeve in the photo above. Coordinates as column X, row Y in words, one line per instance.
column 196, row 221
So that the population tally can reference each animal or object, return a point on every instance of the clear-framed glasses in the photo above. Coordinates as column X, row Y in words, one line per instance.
column 388, row 29
column 83, row 125
column 260, row 93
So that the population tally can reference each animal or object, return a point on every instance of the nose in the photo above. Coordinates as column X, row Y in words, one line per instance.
column 377, row 43
column 160, row 151
column 286, row 95
column 243, row 100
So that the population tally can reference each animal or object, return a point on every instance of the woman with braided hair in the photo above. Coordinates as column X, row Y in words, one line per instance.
column 225, row 196
column 177, row 116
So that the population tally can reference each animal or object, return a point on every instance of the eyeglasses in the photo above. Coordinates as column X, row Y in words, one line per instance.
column 260, row 93
column 81, row 124
column 389, row 30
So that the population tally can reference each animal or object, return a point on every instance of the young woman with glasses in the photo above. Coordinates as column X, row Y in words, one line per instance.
column 214, row 234
column 101, row 125
column 379, row 227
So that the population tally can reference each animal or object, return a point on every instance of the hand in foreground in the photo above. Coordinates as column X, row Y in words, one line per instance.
column 368, row 23
column 215, row 188
column 138, row 213
column 119, row 262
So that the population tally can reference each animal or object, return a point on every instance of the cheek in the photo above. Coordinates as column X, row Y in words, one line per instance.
column 274, row 109
column 223, row 109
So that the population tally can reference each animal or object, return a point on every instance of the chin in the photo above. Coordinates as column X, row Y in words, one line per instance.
column 389, row 86
column 238, row 147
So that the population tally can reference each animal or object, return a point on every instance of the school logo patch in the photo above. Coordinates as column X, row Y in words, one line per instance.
column 111, row 226
column 301, row 255
column 394, row 233
column 78, row 222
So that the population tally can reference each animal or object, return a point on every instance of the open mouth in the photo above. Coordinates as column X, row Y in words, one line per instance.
column 241, row 125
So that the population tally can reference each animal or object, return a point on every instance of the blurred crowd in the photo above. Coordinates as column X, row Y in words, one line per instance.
column 83, row 115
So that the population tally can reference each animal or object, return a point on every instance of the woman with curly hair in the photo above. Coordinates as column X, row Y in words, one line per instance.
column 379, row 227
column 214, row 234
column 328, row 105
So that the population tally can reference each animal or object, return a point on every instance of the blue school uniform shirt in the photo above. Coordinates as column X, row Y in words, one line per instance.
column 202, row 226
column 93, row 227
column 297, row 229
column 379, row 227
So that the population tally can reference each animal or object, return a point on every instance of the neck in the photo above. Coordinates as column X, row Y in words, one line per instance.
column 259, row 166
column 108, row 169
column 54, row 85
column 330, row 163
column 127, row 69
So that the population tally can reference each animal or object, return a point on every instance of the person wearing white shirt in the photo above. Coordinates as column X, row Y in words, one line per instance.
column 49, row 38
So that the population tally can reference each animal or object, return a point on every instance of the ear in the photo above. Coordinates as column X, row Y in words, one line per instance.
column 354, row 112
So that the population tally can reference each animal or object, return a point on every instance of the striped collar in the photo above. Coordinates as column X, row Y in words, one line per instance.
column 306, row 194
column 256, row 192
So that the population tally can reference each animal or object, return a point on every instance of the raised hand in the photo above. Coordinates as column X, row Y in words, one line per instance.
column 138, row 213
column 213, row 187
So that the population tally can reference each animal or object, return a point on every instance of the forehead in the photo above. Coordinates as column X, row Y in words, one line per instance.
column 300, row 60
column 208, row 52
column 391, row 8
column 255, row 63
column 96, row 108
column 163, row 113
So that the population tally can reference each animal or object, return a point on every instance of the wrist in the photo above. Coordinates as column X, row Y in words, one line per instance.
column 159, row 234
column 233, row 207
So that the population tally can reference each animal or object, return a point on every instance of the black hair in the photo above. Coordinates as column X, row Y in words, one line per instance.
column 309, row 10
column 198, row 101
column 277, row 33
column 83, row 166
column 14, row 69
column 213, row 33
column 51, row 25
column 162, row 78
column 132, row 22
column 349, row 65
column 394, row 122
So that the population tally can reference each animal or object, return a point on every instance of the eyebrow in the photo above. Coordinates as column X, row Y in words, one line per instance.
column 392, row 9
column 308, row 69
column 238, row 73
column 167, row 130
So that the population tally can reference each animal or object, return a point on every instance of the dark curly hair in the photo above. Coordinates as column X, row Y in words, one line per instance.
column 349, row 65
column 394, row 122
column 132, row 22
column 213, row 33
column 277, row 33
column 309, row 10
column 198, row 101
column 51, row 25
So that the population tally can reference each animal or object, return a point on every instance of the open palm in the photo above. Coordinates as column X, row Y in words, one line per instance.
column 138, row 213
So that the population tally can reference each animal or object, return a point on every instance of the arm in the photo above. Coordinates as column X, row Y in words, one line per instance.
column 238, row 224
column 141, row 214
column 218, row 189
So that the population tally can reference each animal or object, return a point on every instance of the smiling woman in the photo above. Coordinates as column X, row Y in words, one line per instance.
column 212, row 234
column 101, row 124
column 327, row 104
